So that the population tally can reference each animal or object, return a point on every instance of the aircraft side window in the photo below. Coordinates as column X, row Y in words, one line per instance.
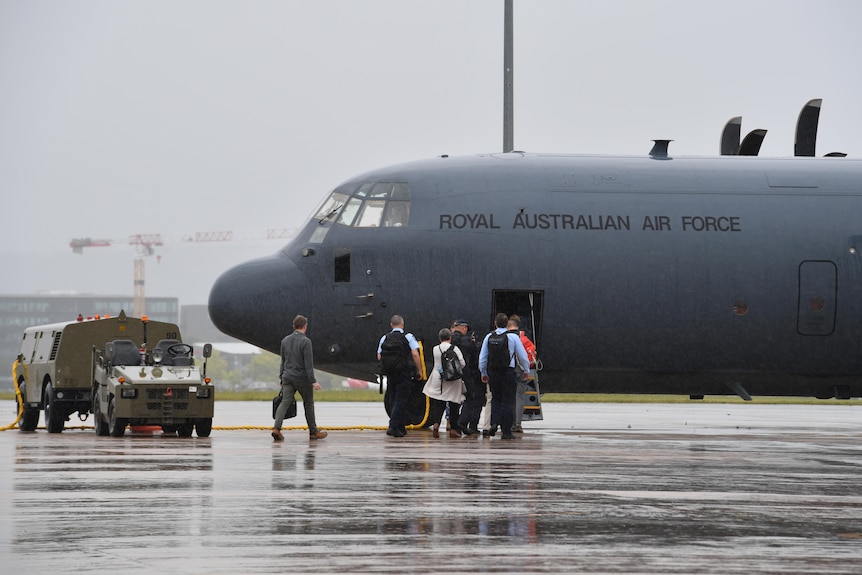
column 371, row 214
column 397, row 214
column 318, row 235
column 348, row 214
column 342, row 265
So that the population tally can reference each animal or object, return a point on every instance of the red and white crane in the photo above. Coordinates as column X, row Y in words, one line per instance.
column 146, row 244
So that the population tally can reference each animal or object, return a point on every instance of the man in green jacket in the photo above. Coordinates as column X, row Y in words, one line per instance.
column 297, row 374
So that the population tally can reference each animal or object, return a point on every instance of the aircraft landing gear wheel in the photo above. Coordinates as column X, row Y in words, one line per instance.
column 54, row 418
column 30, row 417
column 203, row 427
column 116, row 425
column 98, row 423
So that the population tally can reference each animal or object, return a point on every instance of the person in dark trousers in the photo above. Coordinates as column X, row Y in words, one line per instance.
column 502, row 381
column 445, row 396
column 465, row 340
column 399, row 380
column 297, row 374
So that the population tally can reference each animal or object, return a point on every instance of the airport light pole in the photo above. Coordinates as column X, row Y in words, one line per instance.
column 508, row 72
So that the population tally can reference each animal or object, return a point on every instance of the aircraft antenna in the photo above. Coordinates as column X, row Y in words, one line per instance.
column 508, row 93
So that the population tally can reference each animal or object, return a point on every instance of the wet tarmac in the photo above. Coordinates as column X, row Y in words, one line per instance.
column 593, row 488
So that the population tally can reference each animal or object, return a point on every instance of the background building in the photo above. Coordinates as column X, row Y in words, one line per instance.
column 20, row 312
column 244, row 366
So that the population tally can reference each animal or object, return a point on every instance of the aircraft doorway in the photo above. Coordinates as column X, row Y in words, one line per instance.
column 526, row 303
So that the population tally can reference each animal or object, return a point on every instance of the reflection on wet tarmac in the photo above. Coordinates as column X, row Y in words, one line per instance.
column 593, row 488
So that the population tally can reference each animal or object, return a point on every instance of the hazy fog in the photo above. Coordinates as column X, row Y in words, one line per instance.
column 127, row 117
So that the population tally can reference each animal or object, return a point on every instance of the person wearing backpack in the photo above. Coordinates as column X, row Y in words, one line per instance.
column 471, row 409
column 501, row 349
column 445, row 386
column 398, row 354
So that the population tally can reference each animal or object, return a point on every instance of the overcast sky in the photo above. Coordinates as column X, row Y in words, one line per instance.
column 127, row 117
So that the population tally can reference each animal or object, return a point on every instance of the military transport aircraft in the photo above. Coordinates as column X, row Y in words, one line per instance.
column 732, row 274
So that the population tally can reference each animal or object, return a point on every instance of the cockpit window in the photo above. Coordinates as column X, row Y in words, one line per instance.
column 400, row 191
column 372, row 205
column 348, row 214
column 363, row 189
column 397, row 214
column 381, row 190
column 331, row 206
column 372, row 213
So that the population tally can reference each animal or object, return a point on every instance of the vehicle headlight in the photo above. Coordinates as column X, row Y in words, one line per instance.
column 128, row 392
column 203, row 392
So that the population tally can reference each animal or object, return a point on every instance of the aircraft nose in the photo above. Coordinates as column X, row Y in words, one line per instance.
column 251, row 301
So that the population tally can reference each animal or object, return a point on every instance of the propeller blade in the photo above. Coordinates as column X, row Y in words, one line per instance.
column 751, row 144
column 806, row 128
column 729, row 145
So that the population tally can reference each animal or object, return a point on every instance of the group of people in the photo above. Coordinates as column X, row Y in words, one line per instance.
column 493, row 376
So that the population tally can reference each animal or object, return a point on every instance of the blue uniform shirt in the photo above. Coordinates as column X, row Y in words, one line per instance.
column 514, row 343
column 409, row 336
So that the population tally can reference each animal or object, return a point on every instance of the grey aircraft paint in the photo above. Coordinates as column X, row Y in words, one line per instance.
column 653, row 274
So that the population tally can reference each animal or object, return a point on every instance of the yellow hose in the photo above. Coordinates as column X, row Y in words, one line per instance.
column 18, row 396
column 422, row 423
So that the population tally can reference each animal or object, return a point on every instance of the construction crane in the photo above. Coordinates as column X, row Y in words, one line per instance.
column 146, row 244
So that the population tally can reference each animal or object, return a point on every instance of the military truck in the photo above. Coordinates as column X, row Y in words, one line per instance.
column 107, row 367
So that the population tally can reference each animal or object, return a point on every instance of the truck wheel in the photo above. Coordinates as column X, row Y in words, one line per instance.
column 30, row 417
column 185, row 430
column 54, row 418
column 116, row 425
column 98, row 422
column 203, row 427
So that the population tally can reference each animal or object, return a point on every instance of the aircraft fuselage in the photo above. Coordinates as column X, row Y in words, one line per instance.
column 634, row 274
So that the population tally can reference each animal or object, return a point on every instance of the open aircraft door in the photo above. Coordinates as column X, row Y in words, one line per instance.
column 529, row 305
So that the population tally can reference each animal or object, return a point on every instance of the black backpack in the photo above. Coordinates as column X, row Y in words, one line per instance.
column 395, row 355
column 451, row 364
column 498, row 351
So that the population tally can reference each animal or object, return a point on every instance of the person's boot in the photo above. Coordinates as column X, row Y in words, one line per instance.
column 276, row 435
column 435, row 430
column 319, row 434
column 454, row 433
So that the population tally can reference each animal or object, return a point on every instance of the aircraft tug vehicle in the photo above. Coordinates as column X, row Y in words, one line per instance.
column 105, row 366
